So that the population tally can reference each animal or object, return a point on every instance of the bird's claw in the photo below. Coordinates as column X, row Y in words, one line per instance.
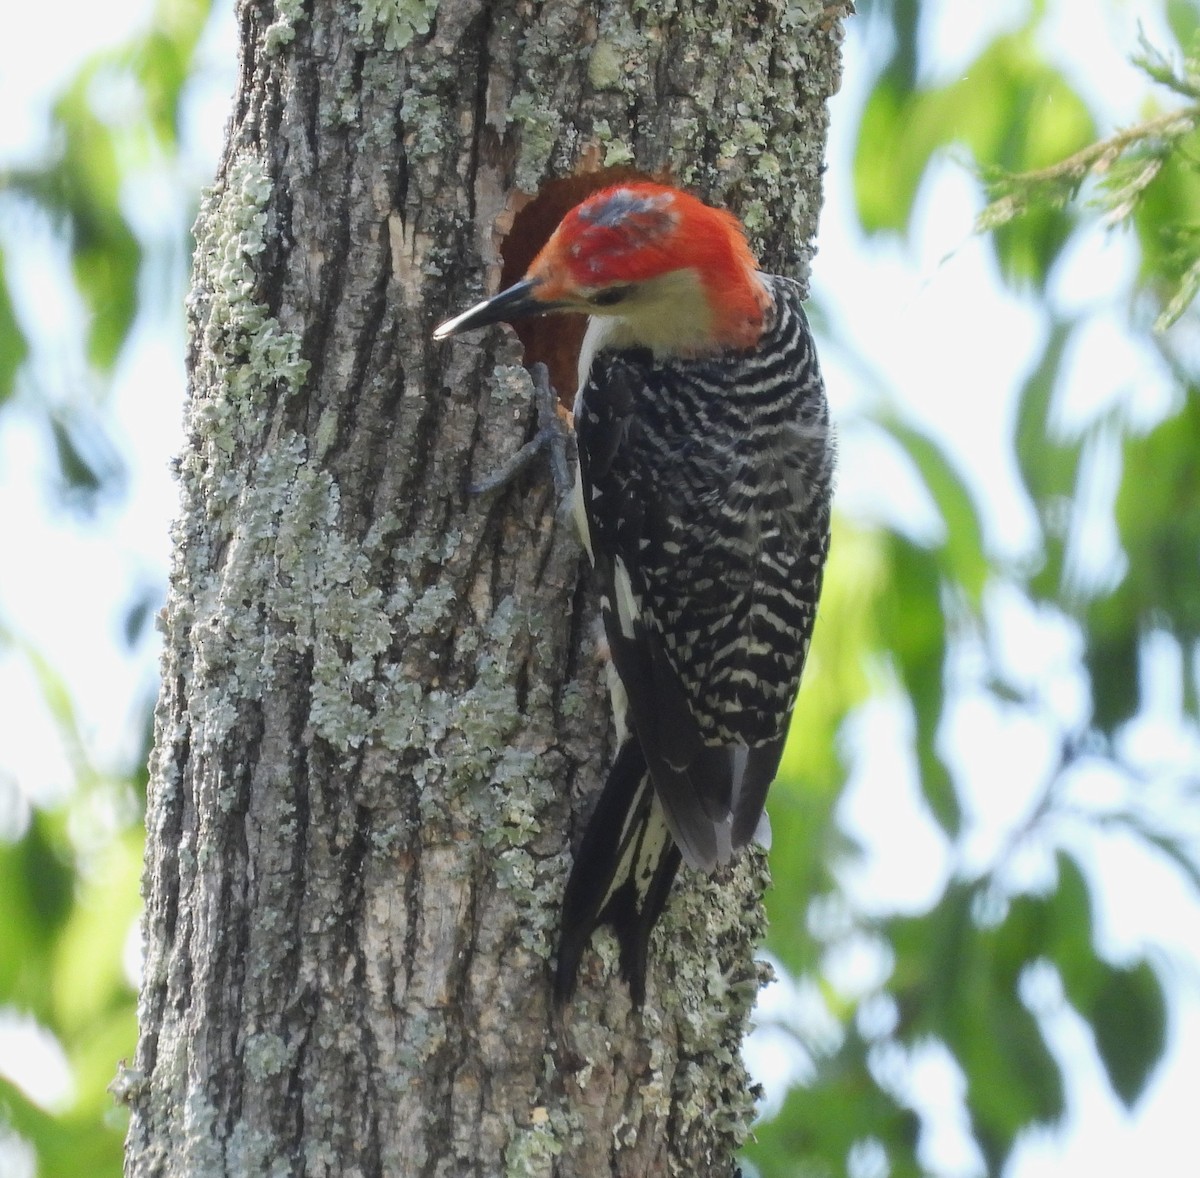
column 553, row 435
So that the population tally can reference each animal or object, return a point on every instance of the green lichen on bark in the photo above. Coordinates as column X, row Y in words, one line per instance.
column 533, row 1148
column 399, row 20
column 245, row 356
column 531, row 1153
column 282, row 30
column 616, row 151
column 540, row 126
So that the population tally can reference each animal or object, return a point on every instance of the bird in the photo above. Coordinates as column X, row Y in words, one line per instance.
column 702, row 494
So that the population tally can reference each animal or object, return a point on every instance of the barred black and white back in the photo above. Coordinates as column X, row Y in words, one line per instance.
column 704, row 497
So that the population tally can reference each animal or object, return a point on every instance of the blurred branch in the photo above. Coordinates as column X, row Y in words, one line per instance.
column 1060, row 182
column 1125, row 165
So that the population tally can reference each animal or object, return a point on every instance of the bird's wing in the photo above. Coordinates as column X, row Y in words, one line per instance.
column 712, row 784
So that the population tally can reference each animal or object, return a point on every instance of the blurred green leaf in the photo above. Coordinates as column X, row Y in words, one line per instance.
column 1048, row 466
column 1166, row 217
column 937, row 935
column 1011, row 109
column 821, row 1123
column 106, row 256
column 1113, row 638
column 896, row 22
column 1158, row 517
column 89, row 464
column 964, row 557
column 1183, row 17
column 88, row 953
column 913, row 632
column 139, row 613
column 1048, row 471
column 1068, row 940
column 13, row 348
column 1013, row 1081
column 805, row 839
column 970, row 999
column 891, row 154
column 68, row 1145
column 37, row 888
column 1129, row 1018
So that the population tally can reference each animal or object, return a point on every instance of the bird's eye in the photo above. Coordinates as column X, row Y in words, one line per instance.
column 610, row 297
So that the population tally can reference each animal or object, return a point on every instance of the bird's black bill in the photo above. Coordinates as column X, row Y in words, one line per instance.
column 517, row 302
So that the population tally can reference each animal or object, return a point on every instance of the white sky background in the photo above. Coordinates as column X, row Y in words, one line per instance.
column 954, row 346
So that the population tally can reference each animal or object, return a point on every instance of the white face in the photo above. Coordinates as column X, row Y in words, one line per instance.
column 668, row 314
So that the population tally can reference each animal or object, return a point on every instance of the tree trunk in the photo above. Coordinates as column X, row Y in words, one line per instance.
column 381, row 719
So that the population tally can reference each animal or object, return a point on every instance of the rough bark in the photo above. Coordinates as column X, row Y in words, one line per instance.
column 380, row 719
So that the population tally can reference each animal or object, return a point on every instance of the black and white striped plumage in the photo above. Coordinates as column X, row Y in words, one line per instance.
column 704, row 495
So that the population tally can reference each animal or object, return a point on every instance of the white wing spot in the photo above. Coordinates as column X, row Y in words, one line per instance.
column 580, row 514
column 628, row 609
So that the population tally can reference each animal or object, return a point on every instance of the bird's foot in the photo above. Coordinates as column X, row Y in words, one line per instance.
column 554, row 435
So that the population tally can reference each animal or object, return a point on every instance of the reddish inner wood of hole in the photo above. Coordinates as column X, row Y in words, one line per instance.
column 552, row 339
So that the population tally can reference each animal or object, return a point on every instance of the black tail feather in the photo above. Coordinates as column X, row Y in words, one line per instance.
column 622, row 875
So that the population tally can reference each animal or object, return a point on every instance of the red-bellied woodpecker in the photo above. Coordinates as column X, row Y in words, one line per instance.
column 702, row 495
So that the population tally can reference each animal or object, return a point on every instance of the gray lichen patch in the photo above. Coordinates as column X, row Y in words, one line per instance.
column 533, row 1147
column 540, row 125
column 399, row 20
column 275, row 596
column 245, row 357
column 605, row 66
column 282, row 30
column 712, row 993
column 617, row 153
